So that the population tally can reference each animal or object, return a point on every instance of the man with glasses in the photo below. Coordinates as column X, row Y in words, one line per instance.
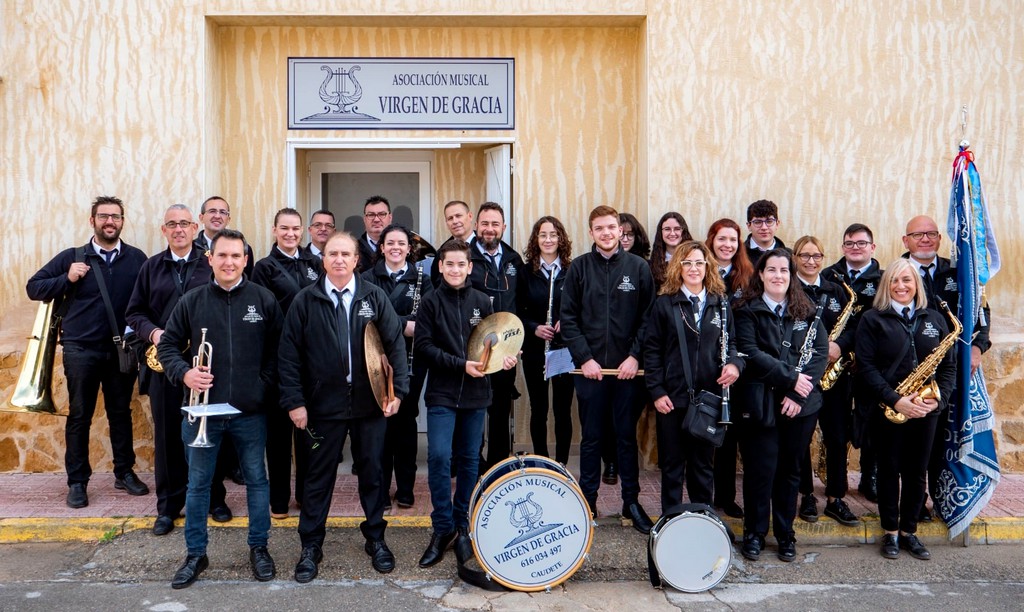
column 922, row 240
column 215, row 214
column 762, row 222
column 163, row 279
column 376, row 216
column 496, row 267
column 90, row 345
column 860, row 270
column 321, row 226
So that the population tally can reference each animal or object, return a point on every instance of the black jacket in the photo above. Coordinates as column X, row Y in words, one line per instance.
column 285, row 276
column 243, row 326
column 866, row 284
column 501, row 286
column 445, row 321
column 944, row 287
column 86, row 321
column 534, row 287
column 605, row 304
column 158, row 290
column 882, row 337
column 402, row 293
column 835, row 301
column 770, row 372
column 367, row 255
column 309, row 365
column 754, row 254
column 663, row 361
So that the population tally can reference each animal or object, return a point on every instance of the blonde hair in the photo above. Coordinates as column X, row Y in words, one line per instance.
column 883, row 299
column 674, row 271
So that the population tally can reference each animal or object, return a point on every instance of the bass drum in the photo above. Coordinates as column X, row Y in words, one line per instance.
column 692, row 551
column 531, row 528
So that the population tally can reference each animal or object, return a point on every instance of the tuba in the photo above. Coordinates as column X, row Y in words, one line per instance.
column 32, row 392
column 920, row 380
column 836, row 368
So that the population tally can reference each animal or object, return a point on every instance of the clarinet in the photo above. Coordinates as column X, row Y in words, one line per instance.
column 415, row 309
column 726, row 413
column 551, row 301
column 807, row 350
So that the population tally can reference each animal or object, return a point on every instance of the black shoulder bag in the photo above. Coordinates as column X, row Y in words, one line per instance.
column 127, row 347
column 705, row 409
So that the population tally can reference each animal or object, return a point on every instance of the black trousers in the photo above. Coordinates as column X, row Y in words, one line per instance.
column 170, row 469
column 562, row 388
column 771, row 473
column 367, row 448
column 401, row 441
column 903, row 454
column 280, row 434
column 87, row 369
column 499, row 437
column 598, row 399
column 937, row 458
column 835, row 419
column 725, row 468
column 679, row 455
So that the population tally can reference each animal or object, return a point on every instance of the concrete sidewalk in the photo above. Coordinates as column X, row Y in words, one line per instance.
column 32, row 509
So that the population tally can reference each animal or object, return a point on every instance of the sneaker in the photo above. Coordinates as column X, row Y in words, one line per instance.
column 809, row 508
column 838, row 511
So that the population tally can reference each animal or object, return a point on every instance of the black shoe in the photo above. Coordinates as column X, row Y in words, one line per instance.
column 309, row 563
column 463, row 546
column 354, row 470
column 611, row 474
column 841, row 513
column 641, row 521
column 262, row 564
column 730, row 508
column 163, row 525
column 237, row 477
column 405, row 501
column 221, row 514
column 890, row 548
column 435, row 550
column 868, row 487
column 380, row 556
column 131, row 484
column 189, row 571
column 926, row 516
column 592, row 504
column 752, row 545
column 77, row 497
column 809, row 508
column 787, row 550
column 912, row 545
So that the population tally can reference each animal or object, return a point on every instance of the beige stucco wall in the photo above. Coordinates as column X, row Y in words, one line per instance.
column 838, row 112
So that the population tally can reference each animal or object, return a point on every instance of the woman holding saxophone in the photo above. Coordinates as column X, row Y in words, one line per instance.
column 548, row 255
column 779, row 330
column 901, row 346
column 689, row 348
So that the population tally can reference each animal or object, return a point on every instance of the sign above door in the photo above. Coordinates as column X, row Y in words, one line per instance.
column 365, row 93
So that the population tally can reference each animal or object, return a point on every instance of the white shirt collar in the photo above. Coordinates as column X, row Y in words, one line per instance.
column 554, row 266
column 401, row 271
column 97, row 248
column 754, row 245
column 772, row 303
column 702, row 296
column 816, row 283
column 315, row 251
column 175, row 257
column 934, row 263
column 497, row 254
column 899, row 308
column 241, row 279
column 350, row 286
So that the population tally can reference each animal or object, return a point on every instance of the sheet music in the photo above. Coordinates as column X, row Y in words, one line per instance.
column 211, row 410
column 557, row 362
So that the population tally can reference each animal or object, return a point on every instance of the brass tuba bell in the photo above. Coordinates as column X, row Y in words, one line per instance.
column 32, row 393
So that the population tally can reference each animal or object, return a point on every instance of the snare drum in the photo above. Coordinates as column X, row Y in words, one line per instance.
column 531, row 527
column 691, row 551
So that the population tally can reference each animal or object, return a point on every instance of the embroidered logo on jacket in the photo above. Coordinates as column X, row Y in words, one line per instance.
column 930, row 330
column 252, row 316
column 869, row 289
column 475, row 319
column 411, row 293
column 717, row 320
column 510, row 269
column 950, row 284
column 310, row 273
column 799, row 326
column 365, row 309
column 833, row 305
column 626, row 285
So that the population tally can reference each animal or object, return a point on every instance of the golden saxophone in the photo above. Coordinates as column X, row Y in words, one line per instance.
column 836, row 368
column 920, row 381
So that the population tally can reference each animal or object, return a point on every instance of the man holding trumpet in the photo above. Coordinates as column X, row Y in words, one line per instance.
column 241, row 322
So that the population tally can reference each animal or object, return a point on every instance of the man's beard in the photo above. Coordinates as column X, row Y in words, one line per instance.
column 491, row 244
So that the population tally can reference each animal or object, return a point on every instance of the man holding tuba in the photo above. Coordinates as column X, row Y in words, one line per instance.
column 90, row 353
column 241, row 321
column 163, row 279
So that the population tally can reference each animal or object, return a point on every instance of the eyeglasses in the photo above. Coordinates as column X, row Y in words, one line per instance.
column 628, row 235
column 176, row 224
column 672, row 230
column 690, row 263
column 218, row 211
column 932, row 235
column 856, row 244
column 809, row 256
column 379, row 215
column 770, row 221
column 109, row 217
column 319, row 226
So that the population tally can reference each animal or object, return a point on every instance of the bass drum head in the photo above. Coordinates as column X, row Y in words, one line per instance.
column 531, row 529
column 520, row 461
column 691, row 551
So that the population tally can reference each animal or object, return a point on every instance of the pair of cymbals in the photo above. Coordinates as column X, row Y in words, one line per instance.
column 498, row 336
column 378, row 368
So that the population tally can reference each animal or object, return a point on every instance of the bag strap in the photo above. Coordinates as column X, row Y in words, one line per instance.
column 69, row 297
column 111, row 319
column 284, row 270
column 684, row 350
column 903, row 352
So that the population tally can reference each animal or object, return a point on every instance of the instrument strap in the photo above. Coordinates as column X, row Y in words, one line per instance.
column 111, row 319
column 69, row 297
column 398, row 290
column 479, row 579
column 684, row 350
column 903, row 352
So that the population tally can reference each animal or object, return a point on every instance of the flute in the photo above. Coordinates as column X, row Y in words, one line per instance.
column 551, row 301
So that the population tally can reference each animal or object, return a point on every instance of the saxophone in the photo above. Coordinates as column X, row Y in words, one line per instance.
column 918, row 380
column 836, row 368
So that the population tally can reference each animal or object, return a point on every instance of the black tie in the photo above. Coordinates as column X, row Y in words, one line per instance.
column 853, row 275
column 723, row 272
column 395, row 276
column 696, row 307
column 179, row 269
column 494, row 263
column 906, row 314
column 778, row 310
column 342, row 315
column 109, row 255
column 926, row 277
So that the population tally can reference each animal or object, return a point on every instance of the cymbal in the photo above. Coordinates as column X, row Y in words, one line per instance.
column 373, row 349
column 505, row 333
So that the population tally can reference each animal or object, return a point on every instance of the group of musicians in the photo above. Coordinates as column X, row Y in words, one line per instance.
column 754, row 324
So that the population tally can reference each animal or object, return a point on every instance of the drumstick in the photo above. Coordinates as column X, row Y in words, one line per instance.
column 607, row 371
column 486, row 355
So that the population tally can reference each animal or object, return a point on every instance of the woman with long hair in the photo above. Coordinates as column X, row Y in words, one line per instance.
column 834, row 416
column 547, row 257
column 634, row 237
column 777, row 397
column 405, row 284
column 682, row 357
column 893, row 338
column 671, row 232
column 735, row 269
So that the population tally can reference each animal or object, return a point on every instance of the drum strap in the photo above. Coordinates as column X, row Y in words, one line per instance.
column 478, row 578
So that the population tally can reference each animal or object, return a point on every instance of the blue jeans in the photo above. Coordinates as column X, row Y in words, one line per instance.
column 464, row 429
column 249, row 434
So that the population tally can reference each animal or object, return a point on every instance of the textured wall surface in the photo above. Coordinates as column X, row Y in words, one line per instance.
column 839, row 112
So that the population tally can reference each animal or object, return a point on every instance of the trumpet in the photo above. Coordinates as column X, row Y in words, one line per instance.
column 203, row 358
